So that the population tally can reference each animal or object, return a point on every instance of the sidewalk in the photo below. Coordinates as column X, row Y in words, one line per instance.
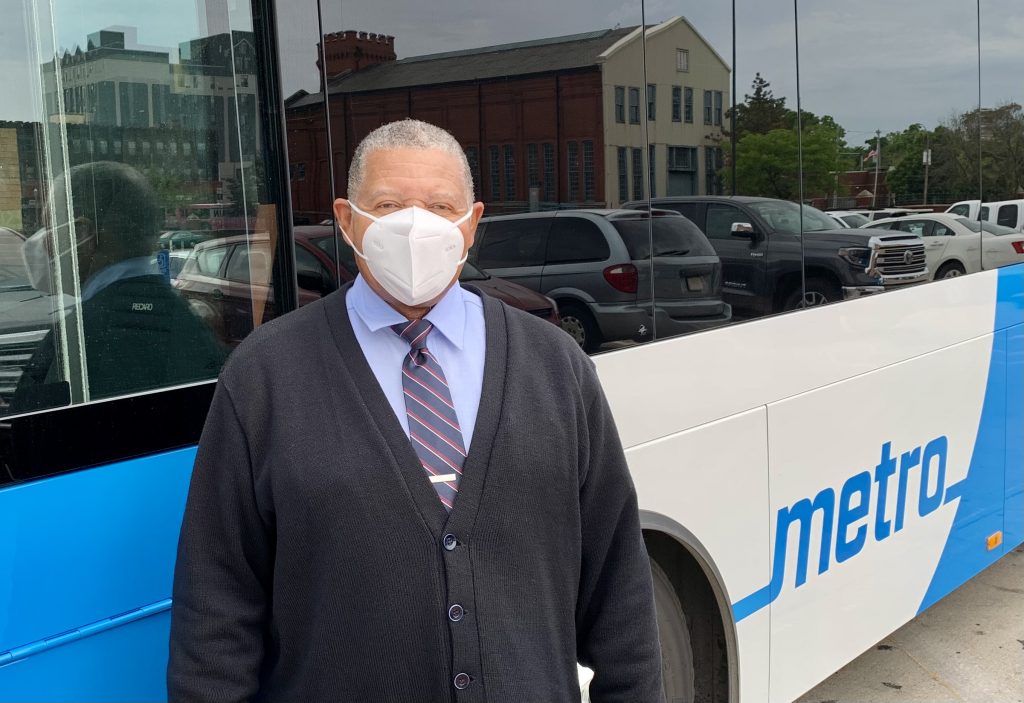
column 969, row 648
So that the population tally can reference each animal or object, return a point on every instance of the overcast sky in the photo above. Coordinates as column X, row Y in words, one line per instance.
column 874, row 64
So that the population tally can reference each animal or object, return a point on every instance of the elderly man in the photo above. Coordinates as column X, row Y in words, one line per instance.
column 408, row 492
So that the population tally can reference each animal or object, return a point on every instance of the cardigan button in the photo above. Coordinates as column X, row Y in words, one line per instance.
column 462, row 681
column 449, row 542
column 456, row 612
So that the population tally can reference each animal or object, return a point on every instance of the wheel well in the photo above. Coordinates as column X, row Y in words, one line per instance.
column 704, row 618
column 792, row 280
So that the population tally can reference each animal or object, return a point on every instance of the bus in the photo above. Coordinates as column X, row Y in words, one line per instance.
column 825, row 460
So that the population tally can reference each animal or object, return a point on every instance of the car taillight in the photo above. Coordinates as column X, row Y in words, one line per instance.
column 622, row 277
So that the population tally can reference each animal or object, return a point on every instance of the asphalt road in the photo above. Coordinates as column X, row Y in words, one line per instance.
column 968, row 648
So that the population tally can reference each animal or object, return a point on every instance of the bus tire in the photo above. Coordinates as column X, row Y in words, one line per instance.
column 676, row 652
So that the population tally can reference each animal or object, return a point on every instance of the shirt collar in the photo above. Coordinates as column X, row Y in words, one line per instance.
column 448, row 316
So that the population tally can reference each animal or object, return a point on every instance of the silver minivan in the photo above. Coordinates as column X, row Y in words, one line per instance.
column 597, row 265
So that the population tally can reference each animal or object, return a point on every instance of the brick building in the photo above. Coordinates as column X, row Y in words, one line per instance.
column 545, row 123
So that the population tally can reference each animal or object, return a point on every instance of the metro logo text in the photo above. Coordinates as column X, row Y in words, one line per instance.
column 871, row 505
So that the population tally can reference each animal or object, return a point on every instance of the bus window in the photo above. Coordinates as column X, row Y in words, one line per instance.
column 131, row 189
column 555, row 121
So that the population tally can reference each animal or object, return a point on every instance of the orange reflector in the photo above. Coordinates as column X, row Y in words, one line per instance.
column 994, row 540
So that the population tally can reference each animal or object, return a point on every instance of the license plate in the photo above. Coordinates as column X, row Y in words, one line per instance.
column 694, row 284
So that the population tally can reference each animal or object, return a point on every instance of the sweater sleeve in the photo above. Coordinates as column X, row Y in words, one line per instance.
column 617, row 632
column 223, row 570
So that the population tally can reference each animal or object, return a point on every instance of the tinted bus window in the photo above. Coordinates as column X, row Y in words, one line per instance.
column 134, row 141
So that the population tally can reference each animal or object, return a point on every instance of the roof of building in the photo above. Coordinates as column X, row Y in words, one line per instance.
column 522, row 58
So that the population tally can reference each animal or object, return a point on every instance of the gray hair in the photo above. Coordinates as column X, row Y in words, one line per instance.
column 407, row 134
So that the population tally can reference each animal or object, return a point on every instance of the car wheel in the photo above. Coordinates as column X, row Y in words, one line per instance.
column 578, row 322
column 676, row 652
column 949, row 270
column 819, row 292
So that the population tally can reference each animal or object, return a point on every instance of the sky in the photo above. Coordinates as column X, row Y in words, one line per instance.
column 874, row 64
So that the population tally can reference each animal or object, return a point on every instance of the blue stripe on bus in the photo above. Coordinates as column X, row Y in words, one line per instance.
column 991, row 493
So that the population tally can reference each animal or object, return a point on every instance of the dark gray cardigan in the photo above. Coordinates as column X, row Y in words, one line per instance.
column 317, row 564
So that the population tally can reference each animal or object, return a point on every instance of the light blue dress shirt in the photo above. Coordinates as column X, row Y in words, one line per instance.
column 457, row 342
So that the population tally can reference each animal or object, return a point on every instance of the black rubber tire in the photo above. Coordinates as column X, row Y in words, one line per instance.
column 819, row 292
column 676, row 651
column 577, row 321
column 950, row 269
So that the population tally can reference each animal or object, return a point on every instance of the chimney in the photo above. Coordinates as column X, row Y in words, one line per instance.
column 353, row 51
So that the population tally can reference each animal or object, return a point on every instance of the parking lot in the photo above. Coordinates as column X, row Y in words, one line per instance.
column 969, row 648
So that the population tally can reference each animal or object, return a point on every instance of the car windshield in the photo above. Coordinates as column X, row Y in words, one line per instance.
column 673, row 236
column 855, row 219
column 989, row 227
column 784, row 216
column 472, row 273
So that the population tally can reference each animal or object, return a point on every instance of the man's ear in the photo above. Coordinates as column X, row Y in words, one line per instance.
column 474, row 220
column 343, row 215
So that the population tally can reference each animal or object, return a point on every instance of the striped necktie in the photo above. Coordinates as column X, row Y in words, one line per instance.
column 433, row 425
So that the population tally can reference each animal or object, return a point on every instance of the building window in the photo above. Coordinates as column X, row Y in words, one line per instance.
column 495, row 173
column 532, row 173
column 588, row 170
column 682, row 158
column 707, row 107
column 718, row 108
column 300, row 172
column 651, row 159
column 473, row 157
column 677, row 103
column 510, row 173
column 620, row 104
column 638, row 174
column 688, row 105
column 712, row 165
column 682, row 60
column 651, row 101
column 634, row 106
column 623, row 176
column 574, row 171
column 549, row 172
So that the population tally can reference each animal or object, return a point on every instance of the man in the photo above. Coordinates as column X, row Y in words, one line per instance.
column 138, row 333
column 408, row 492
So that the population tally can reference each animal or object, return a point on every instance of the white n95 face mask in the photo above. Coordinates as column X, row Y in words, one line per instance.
column 38, row 264
column 412, row 253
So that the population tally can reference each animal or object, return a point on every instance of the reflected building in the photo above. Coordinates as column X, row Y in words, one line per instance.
column 549, row 123
column 187, row 119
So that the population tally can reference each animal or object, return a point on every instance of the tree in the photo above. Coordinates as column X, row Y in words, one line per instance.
column 768, row 164
column 761, row 112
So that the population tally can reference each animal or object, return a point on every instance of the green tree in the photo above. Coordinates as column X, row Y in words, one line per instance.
column 768, row 164
column 761, row 112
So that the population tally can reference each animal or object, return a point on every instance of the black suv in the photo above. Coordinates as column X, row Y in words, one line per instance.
column 758, row 242
column 597, row 265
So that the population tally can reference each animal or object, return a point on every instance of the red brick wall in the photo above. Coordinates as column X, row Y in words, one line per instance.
column 515, row 112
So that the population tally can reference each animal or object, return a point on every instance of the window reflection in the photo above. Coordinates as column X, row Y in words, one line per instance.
column 551, row 120
column 125, row 164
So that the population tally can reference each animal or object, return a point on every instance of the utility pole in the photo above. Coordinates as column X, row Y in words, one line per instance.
column 878, row 163
column 927, row 163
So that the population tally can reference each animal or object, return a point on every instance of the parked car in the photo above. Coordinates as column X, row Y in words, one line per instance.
column 223, row 277
column 316, row 250
column 956, row 245
column 1007, row 213
column 182, row 239
column 759, row 243
column 882, row 213
column 848, row 218
column 965, row 208
column 596, row 264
